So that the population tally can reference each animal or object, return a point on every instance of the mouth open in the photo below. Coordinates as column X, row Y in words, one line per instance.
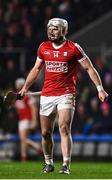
column 52, row 36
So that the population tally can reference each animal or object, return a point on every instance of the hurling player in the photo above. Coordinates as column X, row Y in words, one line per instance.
column 60, row 57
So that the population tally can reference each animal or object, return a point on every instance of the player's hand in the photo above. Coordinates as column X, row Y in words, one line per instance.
column 23, row 91
column 103, row 96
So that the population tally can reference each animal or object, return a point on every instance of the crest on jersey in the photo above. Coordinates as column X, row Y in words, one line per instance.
column 65, row 53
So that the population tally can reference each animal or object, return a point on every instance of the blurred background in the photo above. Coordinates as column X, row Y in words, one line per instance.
column 22, row 29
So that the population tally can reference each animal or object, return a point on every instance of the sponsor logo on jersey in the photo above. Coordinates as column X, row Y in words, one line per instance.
column 47, row 52
column 54, row 66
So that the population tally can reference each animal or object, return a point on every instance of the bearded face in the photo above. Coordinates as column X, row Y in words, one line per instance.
column 54, row 33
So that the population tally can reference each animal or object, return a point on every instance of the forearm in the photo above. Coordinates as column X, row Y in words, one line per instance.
column 31, row 78
column 87, row 65
column 95, row 77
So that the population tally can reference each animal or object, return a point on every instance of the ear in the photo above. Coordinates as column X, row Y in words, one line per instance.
column 64, row 32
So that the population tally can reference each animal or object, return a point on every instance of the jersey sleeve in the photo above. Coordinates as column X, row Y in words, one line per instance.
column 80, row 54
column 40, row 52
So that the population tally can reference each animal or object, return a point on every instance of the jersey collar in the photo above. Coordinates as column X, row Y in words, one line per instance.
column 57, row 47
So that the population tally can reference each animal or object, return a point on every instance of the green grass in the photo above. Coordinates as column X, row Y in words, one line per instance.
column 32, row 170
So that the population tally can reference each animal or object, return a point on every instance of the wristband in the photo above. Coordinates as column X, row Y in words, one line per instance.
column 99, row 88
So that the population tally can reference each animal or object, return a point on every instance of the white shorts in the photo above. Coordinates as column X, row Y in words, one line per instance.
column 24, row 124
column 51, row 104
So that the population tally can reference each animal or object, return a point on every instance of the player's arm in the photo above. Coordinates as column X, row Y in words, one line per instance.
column 88, row 66
column 32, row 76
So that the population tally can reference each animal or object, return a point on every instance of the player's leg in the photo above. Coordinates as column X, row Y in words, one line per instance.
column 47, row 127
column 23, row 143
column 23, row 133
column 47, row 116
column 35, row 145
column 65, row 120
column 65, row 112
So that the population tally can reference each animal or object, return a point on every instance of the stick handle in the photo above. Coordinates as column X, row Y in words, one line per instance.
column 34, row 93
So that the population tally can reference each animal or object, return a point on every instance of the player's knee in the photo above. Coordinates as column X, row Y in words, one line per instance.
column 21, row 137
column 65, row 130
column 23, row 140
column 46, row 134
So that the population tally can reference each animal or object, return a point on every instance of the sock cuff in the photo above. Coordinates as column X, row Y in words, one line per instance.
column 67, row 159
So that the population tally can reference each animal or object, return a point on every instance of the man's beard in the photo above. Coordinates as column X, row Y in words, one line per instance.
column 58, row 41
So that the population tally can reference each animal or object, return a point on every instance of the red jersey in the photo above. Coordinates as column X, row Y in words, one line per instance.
column 24, row 108
column 60, row 67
